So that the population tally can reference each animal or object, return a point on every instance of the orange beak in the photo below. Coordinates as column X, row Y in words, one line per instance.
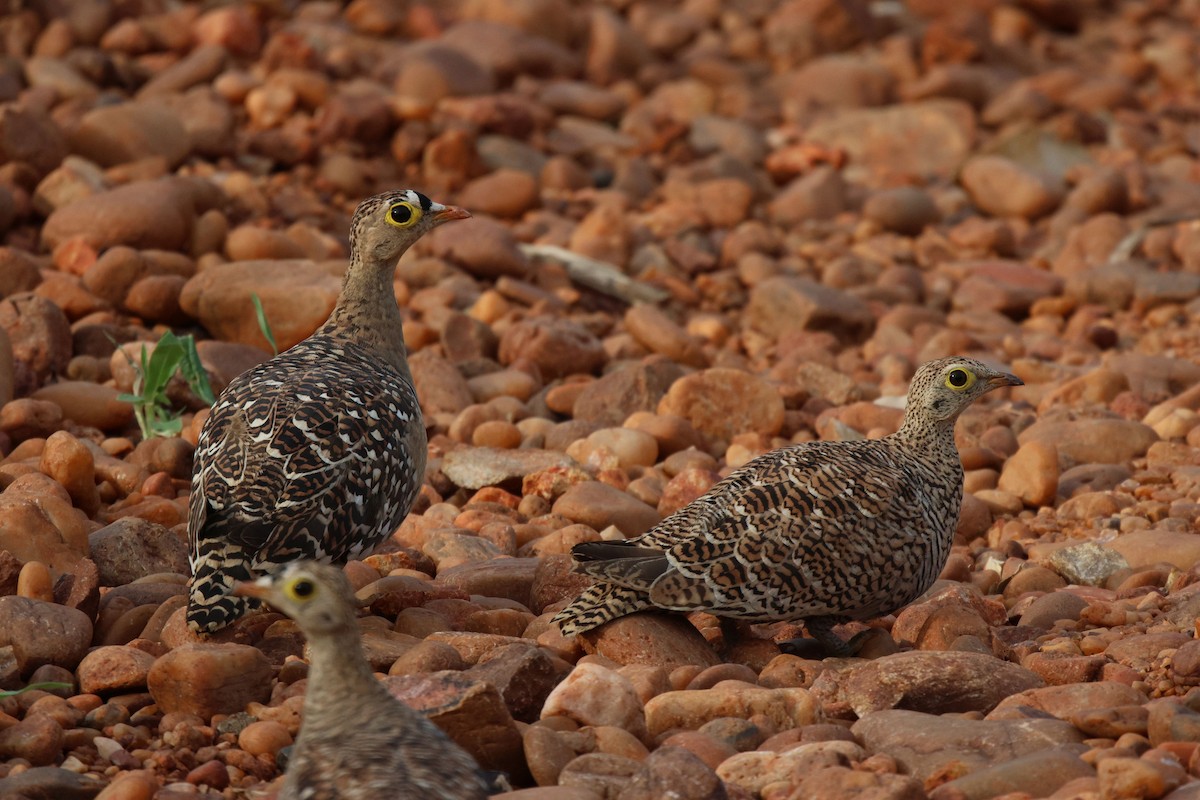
column 448, row 213
column 1004, row 379
column 250, row 589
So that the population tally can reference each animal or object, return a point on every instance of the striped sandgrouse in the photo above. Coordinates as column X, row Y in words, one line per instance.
column 319, row 452
column 356, row 741
column 823, row 531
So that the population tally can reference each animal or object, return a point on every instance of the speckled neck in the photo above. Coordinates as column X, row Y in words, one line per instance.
column 366, row 312
column 340, row 682
column 924, row 436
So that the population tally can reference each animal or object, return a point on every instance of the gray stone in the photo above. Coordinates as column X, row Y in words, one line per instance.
column 1087, row 564
column 934, row 682
column 923, row 744
column 785, row 303
column 1039, row 774
column 50, row 783
column 43, row 633
column 476, row 467
column 132, row 548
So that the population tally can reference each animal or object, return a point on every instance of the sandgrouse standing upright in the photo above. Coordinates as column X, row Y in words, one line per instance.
column 356, row 741
column 825, row 532
column 319, row 452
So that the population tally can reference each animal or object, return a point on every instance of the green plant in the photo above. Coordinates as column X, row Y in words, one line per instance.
column 151, row 406
column 263, row 325
column 48, row 686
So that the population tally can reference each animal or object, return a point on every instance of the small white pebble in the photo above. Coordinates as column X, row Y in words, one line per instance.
column 73, row 764
column 107, row 747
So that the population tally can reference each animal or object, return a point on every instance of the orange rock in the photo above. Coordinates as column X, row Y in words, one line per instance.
column 559, row 347
column 722, row 403
column 116, row 668
column 40, row 336
column 143, row 214
column 70, row 462
column 208, row 679
column 594, row 695
column 155, row 298
column 651, row 638
column 599, row 505
column 505, row 193
column 37, row 738
column 136, row 785
column 92, row 404
column 689, row 709
column 43, row 633
column 125, row 132
column 470, row 711
column 35, row 582
column 265, row 737
column 297, row 297
column 661, row 334
column 38, row 523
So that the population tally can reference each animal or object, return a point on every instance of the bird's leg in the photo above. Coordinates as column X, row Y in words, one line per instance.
column 730, row 632
column 824, row 642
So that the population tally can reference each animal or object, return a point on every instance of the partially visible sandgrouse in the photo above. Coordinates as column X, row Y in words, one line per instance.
column 356, row 741
column 825, row 532
column 319, row 452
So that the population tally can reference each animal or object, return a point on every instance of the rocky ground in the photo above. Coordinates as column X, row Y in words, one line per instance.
column 813, row 197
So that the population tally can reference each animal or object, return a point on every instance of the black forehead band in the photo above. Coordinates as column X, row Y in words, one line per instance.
column 426, row 203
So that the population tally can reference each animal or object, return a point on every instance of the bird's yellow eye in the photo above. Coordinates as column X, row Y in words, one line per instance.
column 960, row 379
column 300, row 589
column 403, row 214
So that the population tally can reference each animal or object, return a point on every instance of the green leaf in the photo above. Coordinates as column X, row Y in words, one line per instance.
column 161, row 366
column 169, row 426
column 151, row 405
column 263, row 324
column 193, row 371
column 46, row 686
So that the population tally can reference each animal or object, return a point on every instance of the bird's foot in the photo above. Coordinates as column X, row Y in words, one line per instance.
column 818, row 648
column 824, row 642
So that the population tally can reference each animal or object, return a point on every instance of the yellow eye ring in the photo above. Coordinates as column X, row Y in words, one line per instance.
column 403, row 214
column 300, row 589
column 960, row 379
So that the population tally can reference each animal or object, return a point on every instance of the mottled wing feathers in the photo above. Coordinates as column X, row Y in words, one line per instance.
column 318, row 454
column 271, row 462
column 293, row 464
column 821, row 531
column 600, row 603
column 776, row 504
column 603, row 551
column 773, row 536
column 416, row 760
column 622, row 564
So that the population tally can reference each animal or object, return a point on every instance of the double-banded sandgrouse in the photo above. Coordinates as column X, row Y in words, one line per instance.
column 319, row 452
column 356, row 741
column 825, row 532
